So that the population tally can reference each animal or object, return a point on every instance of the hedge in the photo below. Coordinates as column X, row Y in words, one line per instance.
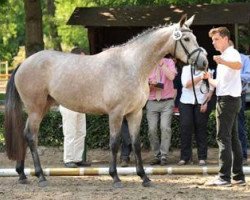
column 98, row 131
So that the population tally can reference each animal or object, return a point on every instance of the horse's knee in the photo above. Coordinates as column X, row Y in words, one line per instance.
column 29, row 139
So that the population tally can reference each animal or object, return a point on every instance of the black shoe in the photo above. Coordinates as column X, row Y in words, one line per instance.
column 83, row 164
column 163, row 161
column 70, row 165
column 155, row 161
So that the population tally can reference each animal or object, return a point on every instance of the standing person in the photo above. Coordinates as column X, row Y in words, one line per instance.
column 228, row 91
column 126, row 146
column 74, row 131
column 193, row 116
column 245, row 79
column 160, row 106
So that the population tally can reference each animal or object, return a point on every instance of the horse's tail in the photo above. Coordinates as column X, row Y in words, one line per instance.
column 14, row 122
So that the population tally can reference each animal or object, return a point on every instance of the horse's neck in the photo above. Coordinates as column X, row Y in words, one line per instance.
column 149, row 49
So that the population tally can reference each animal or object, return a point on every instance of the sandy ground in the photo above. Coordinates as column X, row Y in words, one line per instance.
column 100, row 187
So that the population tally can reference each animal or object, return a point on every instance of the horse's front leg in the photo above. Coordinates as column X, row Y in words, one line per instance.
column 31, row 131
column 115, row 126
column 134, row 121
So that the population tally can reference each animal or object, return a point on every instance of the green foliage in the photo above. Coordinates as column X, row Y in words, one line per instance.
column 50, row 133
column 70, row 35
column 2, row 97
column 12, row 28
column 98, row 131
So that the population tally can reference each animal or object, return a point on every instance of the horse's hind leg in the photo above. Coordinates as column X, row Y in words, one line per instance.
column 31, row 131
column 20, row 171
column 134, row 121
column 115, row 123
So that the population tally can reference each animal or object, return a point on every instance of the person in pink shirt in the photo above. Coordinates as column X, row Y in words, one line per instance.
column 160, row 107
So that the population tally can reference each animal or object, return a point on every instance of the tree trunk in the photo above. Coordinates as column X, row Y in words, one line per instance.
column 33, row 27
column 56, row 40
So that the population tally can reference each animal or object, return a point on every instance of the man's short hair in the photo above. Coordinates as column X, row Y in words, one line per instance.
column 223, row 31
column 78, row 50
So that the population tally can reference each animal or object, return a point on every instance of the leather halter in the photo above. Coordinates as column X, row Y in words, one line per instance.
column 199, row 50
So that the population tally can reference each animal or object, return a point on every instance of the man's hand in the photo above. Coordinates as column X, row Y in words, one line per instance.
column 218, row 60
column 203, row 108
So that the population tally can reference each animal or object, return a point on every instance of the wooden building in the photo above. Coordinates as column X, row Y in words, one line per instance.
column 108, row 26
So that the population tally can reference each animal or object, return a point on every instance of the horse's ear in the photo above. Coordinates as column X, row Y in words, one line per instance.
column 183, row 20
column 189, row 21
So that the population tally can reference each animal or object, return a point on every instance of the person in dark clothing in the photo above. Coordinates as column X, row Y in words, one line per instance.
column 126, row 146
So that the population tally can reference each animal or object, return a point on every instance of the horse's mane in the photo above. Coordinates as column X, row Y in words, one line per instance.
column 140, row 35
column 146, row 32
column 143, row 34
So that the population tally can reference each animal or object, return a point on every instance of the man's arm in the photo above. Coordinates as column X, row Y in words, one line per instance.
column 233, row 65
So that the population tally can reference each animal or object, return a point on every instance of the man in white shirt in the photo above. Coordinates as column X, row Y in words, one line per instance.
column 228, row 91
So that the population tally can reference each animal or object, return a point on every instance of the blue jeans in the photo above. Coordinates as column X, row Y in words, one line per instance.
column 242, row 126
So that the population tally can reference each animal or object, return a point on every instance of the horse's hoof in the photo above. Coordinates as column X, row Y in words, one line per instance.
column 23, row 181
column 147, row 183
column 43, row 183
column 118, row 185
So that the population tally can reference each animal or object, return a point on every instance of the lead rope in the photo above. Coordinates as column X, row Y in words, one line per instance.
column 205, row 81
column 192, row 77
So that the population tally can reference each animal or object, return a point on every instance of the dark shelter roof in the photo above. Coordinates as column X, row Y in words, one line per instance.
column 137, row 16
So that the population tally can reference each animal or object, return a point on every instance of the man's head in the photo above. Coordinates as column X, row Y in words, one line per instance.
column 220, row 37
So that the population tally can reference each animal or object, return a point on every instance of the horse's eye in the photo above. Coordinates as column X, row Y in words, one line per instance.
column 187, row 39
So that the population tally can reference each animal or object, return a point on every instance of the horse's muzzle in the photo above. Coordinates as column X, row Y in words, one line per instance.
column 201, row 64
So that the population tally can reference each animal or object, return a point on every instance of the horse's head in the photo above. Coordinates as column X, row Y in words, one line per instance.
column 186, row 47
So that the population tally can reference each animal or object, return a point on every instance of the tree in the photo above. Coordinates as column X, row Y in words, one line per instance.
column 54, row 39
column 33, row 27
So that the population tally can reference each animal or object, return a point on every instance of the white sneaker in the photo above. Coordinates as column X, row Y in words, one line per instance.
column 239, row 182
column 218, row 182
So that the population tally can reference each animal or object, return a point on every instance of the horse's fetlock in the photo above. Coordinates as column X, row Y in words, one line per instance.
column 38, row 171
column 140, row 173
column 112, row 173
column 19, row 170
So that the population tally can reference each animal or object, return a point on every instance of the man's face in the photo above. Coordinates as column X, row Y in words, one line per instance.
column 220, row 43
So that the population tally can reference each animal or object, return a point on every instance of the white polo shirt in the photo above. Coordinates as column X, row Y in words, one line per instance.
column 228, row 79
